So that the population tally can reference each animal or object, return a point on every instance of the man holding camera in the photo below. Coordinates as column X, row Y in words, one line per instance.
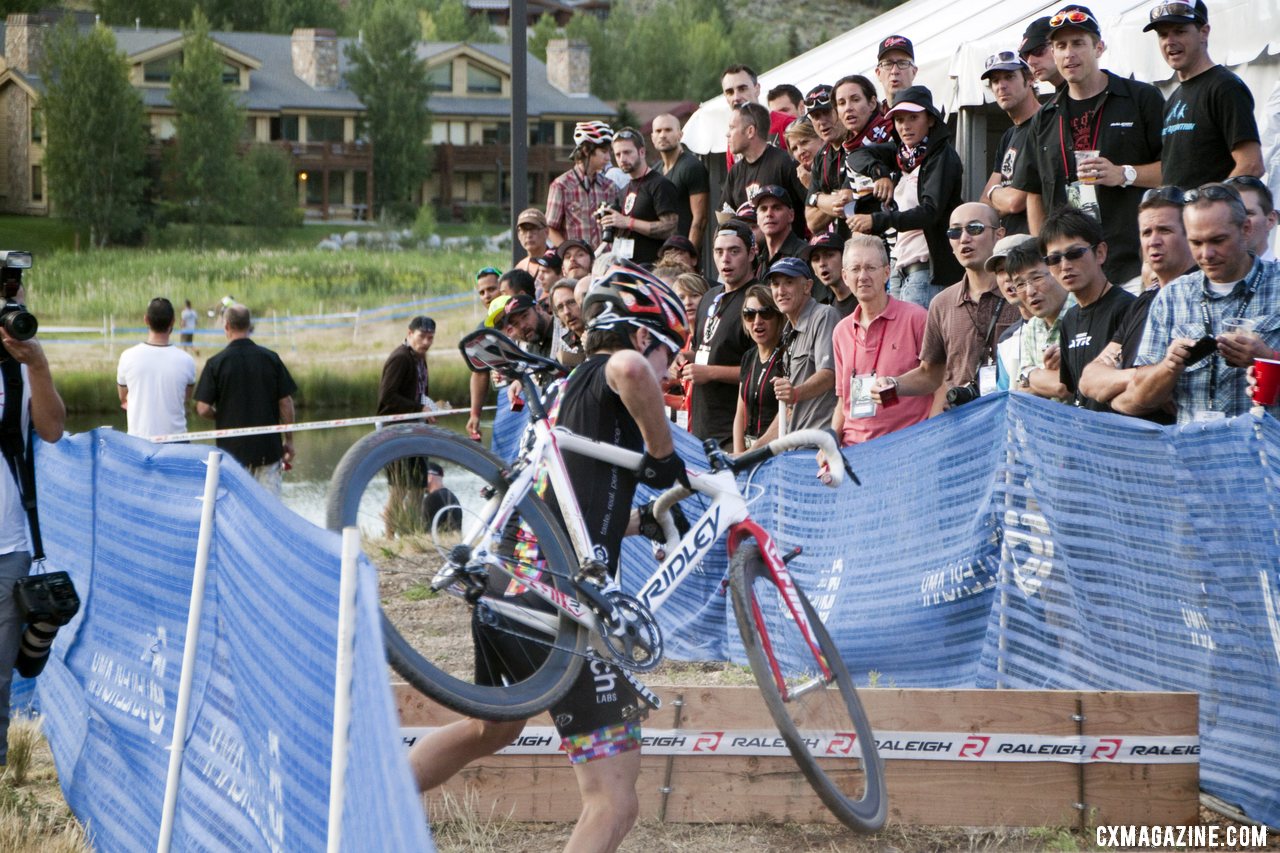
column 28, row 381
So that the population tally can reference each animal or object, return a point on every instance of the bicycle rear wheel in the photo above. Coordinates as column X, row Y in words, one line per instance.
column 803, row 704
column 453, row 644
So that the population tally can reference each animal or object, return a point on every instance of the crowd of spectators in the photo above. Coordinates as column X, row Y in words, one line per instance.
column 1118, row 257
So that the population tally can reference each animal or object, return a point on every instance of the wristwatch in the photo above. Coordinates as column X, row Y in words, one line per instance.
column 812, row 200
column 1024, row 377
column 1130, row 175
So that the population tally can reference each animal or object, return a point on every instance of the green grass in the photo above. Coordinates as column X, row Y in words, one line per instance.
column 42, row 235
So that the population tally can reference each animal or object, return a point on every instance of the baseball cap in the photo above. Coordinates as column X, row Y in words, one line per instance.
column 424, row 324
column 767, row 191
column 1075, row 17
column 739, row 229
column 826, row 241
column 901, row 43
column 1035, row 36
column 532, row 216
column 819, row 98
column 1005, row 60
column 497, row 309
column 1178, row 12
column 680, row 243
column 550, row 260
column 793, row 267
column 746, row 213
column 435, row 468
column 1004, row 246
column 564, row 247
column 516, row 305
column 488, row 271
column 914, row 99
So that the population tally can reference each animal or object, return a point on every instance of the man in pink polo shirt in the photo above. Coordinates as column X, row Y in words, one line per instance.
column 882, row 337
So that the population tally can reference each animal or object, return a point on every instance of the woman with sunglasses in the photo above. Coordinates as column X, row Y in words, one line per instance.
column 928, row 189
column 757, row 406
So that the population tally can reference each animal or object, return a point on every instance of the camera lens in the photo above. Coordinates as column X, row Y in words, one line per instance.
column 961, row 394
column 19, row 323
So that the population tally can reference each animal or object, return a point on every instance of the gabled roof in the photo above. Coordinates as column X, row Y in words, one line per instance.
column 544, row 99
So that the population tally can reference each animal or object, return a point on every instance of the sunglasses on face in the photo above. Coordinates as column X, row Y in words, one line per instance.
column 1171, row 194
column 750, row 314
column 1038, row 51
column 1213, row 192
column 971, row 228
column 1073, row 16
column 1075, row 253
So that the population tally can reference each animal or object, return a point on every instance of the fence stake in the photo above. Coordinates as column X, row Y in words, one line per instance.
column 342, row 684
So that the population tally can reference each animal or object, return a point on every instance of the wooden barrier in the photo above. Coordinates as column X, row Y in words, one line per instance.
column 693, row 788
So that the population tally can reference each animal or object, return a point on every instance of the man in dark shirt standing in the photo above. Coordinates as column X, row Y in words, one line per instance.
column 1209, row 130
column 761, row 164
column 719, row 337
column 647, row 211
column 1073, row 248
column 1013, row 86
column 775, row 218
column 404, row 385
column 1095, row 111
column 687, row 174
column 247, row 385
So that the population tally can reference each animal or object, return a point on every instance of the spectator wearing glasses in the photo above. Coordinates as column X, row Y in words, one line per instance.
column 647, row 210
column 895, row 67
column 1167, row 254
column 761, row 165
column 740, row 85
column 1009, row 345
column 1095, row 111
column 1046, row 300
column 761, row 364
column 574, row 197
column 1013, row 86
column 1232, row 284
column 925, row 195
column 531, row 234
column 965, row 321
column 1209, row 131
column 1036, row 51
column 1260, row 208
column 1074, row 251
column 784, row 98
column 882, row 337
column 864, row 124
column 686, row 173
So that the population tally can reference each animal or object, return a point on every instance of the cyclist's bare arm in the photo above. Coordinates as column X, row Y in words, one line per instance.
column 630, row 376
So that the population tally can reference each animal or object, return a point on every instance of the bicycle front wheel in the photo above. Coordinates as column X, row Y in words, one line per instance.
column 465, row 644
column 803, row 703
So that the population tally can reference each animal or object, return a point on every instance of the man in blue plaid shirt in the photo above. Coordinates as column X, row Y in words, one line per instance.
column 1232, row 285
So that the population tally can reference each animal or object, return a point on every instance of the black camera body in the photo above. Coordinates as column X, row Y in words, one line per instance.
column 46, row 602
column 606, row 235
column 961, row 394
column 15, row 319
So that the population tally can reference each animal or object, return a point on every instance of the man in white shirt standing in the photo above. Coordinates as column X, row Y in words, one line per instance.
column 155, row 378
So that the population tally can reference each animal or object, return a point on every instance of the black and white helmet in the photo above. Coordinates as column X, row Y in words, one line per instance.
column 627, row 295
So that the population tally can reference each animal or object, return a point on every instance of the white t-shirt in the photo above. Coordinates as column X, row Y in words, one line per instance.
column 188, row 320
column 912, row 246
column 157, row 378
column 13, row 520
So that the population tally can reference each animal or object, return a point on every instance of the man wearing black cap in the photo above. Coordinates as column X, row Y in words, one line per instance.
column 686, row 173
column 437, row 498
column 775, row 218
column 1209, row 131
column 827, row 172
column 646, row 210
column 1036, row 51
column 895, row 67
column 577, row 259
column 679, row 250
column 546, row 270
column 761, row 163
column 1011, row 83
column 1096, row 111
column 825, row 254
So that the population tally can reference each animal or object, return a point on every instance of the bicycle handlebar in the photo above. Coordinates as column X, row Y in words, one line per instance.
column 822, row 439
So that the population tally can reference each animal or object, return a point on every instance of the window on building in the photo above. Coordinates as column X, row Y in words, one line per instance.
column 37, row 183
column 482, row 82
column 230, row 75
column 441, row 77
column 284, row 127
column 542, row 133
column 324, row 128
column 161, row 70
column 250, row 131
column 499, row 134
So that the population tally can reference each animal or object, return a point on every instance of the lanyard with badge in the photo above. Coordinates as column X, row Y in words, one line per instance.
column 1251, row 287
column 860, row 403
column 709, row 326
column 987, row 373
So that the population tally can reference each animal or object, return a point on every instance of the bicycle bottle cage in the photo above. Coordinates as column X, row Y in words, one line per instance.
column 489, row 349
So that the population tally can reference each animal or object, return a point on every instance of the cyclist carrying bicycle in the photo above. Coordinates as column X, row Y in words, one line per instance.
column 635, row 326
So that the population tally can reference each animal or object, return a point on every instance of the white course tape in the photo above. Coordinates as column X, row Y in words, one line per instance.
column 930, row 746
column 338, row 422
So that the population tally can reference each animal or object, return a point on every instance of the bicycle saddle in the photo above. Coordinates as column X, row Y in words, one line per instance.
column 489, row 349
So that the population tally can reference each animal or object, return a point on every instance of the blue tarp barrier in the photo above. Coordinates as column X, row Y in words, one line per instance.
column 122, row 516
column 1019, row 543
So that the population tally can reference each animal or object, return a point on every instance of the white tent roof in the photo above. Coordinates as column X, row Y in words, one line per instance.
column 952, row 40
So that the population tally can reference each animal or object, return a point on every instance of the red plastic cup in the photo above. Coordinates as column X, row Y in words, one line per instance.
column 1267, row 372
column 889, row 396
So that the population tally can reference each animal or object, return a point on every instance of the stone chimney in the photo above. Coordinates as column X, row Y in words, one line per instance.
column 569, row 66
column 315, row 57
column 24, row 42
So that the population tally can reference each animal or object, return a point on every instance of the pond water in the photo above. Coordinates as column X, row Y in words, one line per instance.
column 318, row 453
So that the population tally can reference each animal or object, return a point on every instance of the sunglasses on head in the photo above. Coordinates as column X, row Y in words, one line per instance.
column 1213, row 192
column 972, row 228
column 1072, row 16
column 488, row 271
column 752, row 313
column 1175, row 10
column 1075, row 253
column 1171, row 194
column 626, row 134
column 1001, row 58
column 1248, row 182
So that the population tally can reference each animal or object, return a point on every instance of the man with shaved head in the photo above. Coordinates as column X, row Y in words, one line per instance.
column 965, row 320
column 693, row 183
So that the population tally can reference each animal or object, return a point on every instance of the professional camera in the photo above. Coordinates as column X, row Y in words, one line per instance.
column 961, row 394
column 20, row 323
column 606, row 236
column 46, row 602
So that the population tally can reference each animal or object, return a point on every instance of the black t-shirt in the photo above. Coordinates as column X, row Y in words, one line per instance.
column 435, row 501
column 755, row 387
column 719, row 330
column 1204, row 119
column 647, row 198
column 844, row 306
column 690, row 178
column 1129, row 336
column 1085, row 333
column 828, row 169
column 590, row 408
column 1011, row 145
column 245, row 383
column 772, row 167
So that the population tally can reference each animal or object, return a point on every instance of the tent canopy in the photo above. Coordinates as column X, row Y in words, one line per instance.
column 953, row 40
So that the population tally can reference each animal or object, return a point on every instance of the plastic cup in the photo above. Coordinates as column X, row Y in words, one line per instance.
column 1081, row 156
column 1240, row 326
column 1267, row 373
column 889, row 396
